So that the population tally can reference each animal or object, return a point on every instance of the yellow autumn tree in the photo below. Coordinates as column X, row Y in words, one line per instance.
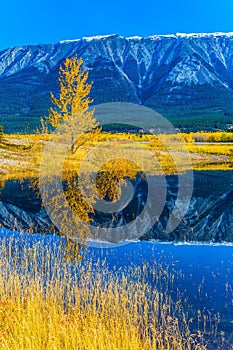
column 73, row 125
column 71, row 105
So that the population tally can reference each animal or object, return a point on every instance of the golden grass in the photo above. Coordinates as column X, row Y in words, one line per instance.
column 46, row 303
column 20, row 155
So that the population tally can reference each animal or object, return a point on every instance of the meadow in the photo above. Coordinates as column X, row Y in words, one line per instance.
column 20, row 154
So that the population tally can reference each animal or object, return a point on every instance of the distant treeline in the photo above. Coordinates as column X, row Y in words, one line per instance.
column 202, row 136
column 155, row 139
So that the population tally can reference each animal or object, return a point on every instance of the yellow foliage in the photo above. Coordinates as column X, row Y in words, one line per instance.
column 74, row 92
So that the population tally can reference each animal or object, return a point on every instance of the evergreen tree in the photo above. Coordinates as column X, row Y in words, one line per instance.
column 1, row 132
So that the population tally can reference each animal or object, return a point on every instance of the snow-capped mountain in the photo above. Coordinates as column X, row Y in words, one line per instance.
column 161, row 71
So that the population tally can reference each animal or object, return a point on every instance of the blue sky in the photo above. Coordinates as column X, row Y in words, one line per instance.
column 24, row 22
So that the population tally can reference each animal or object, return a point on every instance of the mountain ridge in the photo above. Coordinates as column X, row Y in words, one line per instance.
column 165, row 72
column 154, row 36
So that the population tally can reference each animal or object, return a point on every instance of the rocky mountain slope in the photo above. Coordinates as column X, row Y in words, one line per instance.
column 209, row 216
column 179, row 71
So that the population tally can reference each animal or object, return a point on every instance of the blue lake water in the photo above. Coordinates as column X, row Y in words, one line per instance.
column 203, row 273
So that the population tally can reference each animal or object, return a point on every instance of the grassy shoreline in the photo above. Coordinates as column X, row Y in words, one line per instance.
column 48, row 302
column 20, row 154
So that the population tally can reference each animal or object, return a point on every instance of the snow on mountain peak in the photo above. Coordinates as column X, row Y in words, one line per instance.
column 134, row 38
column 68, row 41
column 98, row 37
column 88, row 38
column 152, row 37
column 201, row 35
column 158, row 36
